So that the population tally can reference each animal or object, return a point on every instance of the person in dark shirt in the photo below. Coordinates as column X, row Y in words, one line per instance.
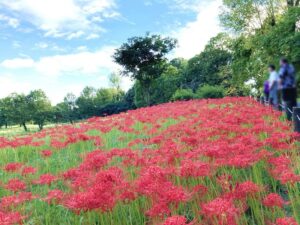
column 287, row 77
column 266, row 91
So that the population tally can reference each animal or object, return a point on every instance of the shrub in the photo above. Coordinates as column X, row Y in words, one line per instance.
column 208, row 91
column 183, row 94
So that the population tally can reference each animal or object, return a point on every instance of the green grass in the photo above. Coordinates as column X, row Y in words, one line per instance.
column 16, row 130
column 133, row 213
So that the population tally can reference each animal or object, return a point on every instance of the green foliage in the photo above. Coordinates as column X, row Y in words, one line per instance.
column 183, row 94
column 205, row 68
column 18, row 109
column 144, row 58
column 248, row 16
column 253, row 53
column 161, row 89
column 40, row 107
column 115, row 80
column 208, row 91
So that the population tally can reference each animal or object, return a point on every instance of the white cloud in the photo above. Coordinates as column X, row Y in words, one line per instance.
column 193, row 37
column 126, row 83
column 42, row 45
column 17, row 63
column 9, row 85
column 67, row 18
column 83, row 62
column 76, row 34
column 179, row 5
column 78, row 63
column 13, row 22
column 82, row 48
column 92, row 36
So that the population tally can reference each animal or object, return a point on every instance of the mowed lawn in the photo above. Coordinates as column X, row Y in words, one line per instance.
column 227, row 161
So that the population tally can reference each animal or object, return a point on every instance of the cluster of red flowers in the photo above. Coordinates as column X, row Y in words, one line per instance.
column 211, row 154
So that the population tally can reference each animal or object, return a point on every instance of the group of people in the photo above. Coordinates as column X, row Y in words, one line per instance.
column 282, row 83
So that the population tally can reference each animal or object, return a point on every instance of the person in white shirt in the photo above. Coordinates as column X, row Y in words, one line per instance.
column 273, row 82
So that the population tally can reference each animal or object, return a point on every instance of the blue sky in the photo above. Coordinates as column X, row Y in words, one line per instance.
column 62, row 46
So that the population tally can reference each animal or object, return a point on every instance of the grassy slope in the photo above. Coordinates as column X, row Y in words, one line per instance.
column 40, row 212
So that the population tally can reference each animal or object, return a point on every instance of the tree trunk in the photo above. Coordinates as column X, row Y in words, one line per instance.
column 41, row 126
column 25, row 127
column 272, row 14
column 292, row 3
column 147, row 96
column 6, row 125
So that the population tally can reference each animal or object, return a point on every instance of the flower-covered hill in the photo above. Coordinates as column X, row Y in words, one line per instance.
column 228, row 161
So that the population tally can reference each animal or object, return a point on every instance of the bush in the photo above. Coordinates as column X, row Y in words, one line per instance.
column 208, row 91
column 183, row 94
column 113, row 108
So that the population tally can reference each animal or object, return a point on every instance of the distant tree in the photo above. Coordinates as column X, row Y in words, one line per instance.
column 144, row 58
column 39, row 107
column 5, row 111
column 115, row 80
column 67, row 110
column 19, row 109
column 205, row 67
column 70, row 101
column 179, row 63
column 162, row 88
column 86, row 102
column 108, row 95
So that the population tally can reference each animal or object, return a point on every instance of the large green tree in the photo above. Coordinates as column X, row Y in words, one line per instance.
column 250, row 15
column 205, row 68
column 86, row 102
column 19, row 109
column 40, row 108
column 144, row 58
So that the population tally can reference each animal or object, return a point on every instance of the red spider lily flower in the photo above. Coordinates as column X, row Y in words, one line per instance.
column 94, row 160
column 46, row 179
column 287, row 176
column 46, row 153
column 274, row 200
column 54, row 196
column 101, row 194
column 13, row 167
column 28, row 170
column 247, row 188
column 15, row 185
column 286, row 221
column 127, row 192
column 159, row 209
column 15, row 200
column 153, row 183
column 222, row 210
column 10, row 218
column 195, row 169
column 176, row 220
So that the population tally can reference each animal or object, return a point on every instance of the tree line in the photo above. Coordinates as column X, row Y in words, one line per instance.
column 36, row 108
column 234, row 63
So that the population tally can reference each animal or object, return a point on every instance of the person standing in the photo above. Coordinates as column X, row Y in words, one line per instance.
column 273, row 85
column 266, row 91
column 287, row 77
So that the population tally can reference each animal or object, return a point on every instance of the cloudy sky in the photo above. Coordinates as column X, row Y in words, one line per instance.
column 62, row 46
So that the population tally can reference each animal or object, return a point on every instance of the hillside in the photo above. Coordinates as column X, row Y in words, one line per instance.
column 227, row 161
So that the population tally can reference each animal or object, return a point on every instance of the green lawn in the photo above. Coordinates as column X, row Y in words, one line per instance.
column 16, row 130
